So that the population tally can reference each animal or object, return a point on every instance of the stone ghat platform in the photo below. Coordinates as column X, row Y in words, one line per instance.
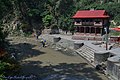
column 87, row 37
column 86, row 51
column 93, row 53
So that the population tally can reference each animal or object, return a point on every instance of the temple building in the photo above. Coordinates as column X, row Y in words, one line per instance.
column 91, row 23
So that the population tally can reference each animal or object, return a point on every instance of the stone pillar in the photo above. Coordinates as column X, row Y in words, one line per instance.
column 84, row 30
column 90, row 30
column 95, row 30
column 101, row 31
column 113, row 65
column 75, row 28
column 56, row 39
column 78, row 45
column 100, row 56
column 79, row 29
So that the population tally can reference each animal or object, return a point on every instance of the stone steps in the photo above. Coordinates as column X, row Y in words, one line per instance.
column 87, row 52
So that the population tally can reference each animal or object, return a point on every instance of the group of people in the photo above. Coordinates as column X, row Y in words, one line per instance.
column 43, row 41
column 37, row 34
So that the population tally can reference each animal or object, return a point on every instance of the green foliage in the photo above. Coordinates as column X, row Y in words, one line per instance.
column 2, row 77
column 33, row 12
column 66, row 7
column 3, row 35
column 115, row 33
column 3, row 67
column 8, row 66
column 48, row 12
column 112, row 8
column 47, row 20
column 87, row 2
column 5, row 7
column 25, row 27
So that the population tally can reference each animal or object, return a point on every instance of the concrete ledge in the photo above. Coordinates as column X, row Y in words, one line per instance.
column 78, row 45
column 56, row 39
column 101, row 56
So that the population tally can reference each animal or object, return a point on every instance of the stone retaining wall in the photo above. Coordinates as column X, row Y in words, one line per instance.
column 67, row 45
column 63, row 42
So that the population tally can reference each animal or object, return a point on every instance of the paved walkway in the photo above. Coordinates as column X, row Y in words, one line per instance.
column 48, row 64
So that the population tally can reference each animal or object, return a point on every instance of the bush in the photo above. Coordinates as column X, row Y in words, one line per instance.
column 9, row 66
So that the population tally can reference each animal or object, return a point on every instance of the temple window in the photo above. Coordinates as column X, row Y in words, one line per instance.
column 97, row 21
column 78, row 21
column 92, row 30
column 98, row 30
column 91, row 20
column 82, row 29
column 87, row 20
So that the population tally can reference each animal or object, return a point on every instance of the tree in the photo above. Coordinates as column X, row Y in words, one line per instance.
column 47, row 20
column 5, row 7
column 3, row 35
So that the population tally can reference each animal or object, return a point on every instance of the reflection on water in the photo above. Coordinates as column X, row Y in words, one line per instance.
column 65, row 77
